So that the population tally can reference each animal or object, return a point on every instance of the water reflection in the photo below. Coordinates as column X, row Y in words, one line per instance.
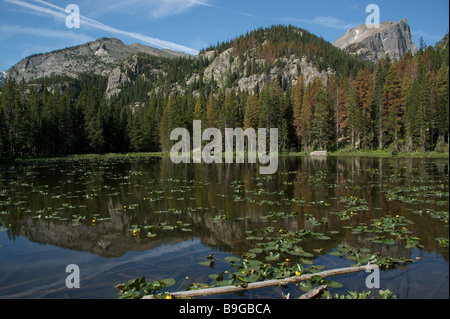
column 94, row 206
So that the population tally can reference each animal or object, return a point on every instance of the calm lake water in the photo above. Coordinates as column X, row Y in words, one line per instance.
column 120, row 219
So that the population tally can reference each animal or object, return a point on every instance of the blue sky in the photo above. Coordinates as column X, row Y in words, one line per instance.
column 36, row 26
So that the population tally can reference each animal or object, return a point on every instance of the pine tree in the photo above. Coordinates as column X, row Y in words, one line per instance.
column 139, row 137
column 166, row 125
column 271, row 111
column 93, row 117
column 212, row 113
column 378, row 100
column 200, row 109
column 363, row 100
column 353, row 115
column 332, row 91
column 420, row 129
column 341, row 111
column 391, row 112
column 406, row 86
column 231, row 110
column 442, row 104
column 297, row 103
column 320, row 122
column 251, row 112
column 13, row 110
column 411, row 108
column 306, row 115
column 429, row 109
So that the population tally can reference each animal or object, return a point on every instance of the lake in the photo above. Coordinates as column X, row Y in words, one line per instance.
column 122, row 218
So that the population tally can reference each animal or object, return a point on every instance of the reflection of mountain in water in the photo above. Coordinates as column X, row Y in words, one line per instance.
column 201, row 195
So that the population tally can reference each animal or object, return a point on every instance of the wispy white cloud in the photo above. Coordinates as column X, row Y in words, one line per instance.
column 324, row 21
column 250, row 15
column 37, row 9
column 9, row 30
column 153, row 9
column 58, row 12
column 163, row 8
column 427, row 36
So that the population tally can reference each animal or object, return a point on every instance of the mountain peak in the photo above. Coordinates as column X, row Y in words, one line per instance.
column 112, row 40
column 375, row 43
column 96, row 57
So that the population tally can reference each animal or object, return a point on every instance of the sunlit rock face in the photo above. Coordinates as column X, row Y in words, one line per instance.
column 373, row 44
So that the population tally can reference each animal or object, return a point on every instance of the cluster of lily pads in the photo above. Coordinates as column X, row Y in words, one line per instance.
column 139, row 287
column 151, row 230
column 247, row 270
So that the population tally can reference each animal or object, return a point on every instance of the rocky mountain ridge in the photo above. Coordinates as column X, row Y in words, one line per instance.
column 98, row 57
column 393, row 39
column 221, row 65
column 248, row 62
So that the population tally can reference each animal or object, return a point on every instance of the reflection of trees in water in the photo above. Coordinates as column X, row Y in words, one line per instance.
column 196, row 193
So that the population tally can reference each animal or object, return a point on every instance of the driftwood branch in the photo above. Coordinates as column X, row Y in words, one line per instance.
column 267, row 283
column 313, row 293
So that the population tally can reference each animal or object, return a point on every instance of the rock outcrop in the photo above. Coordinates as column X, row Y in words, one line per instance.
column 288, row 68
column 375, row 43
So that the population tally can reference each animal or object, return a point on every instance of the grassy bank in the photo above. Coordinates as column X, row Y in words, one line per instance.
column 79, row 157
column 378, row 153
column 124, row 156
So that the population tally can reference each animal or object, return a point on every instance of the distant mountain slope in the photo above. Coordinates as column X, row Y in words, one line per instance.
column 247, row 62
column 97, row 57
column 2, row 77
column 375, row 43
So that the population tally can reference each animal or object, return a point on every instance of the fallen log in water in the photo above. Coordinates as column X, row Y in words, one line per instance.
column 313, row 293
column 267, row 283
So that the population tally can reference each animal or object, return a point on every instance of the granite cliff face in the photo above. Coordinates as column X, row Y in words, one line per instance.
column 375, row 43
column 288, row 67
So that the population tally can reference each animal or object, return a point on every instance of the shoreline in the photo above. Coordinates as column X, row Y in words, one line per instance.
column 137, row 155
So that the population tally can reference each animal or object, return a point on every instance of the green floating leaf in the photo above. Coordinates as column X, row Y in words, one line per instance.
column 333, row 284
column 306, row 286
column 223, row 283
column 256, row 250
column 169, row 282
column 306, row 254
column 232, row 259
column 273, row 257
column 205, row 263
